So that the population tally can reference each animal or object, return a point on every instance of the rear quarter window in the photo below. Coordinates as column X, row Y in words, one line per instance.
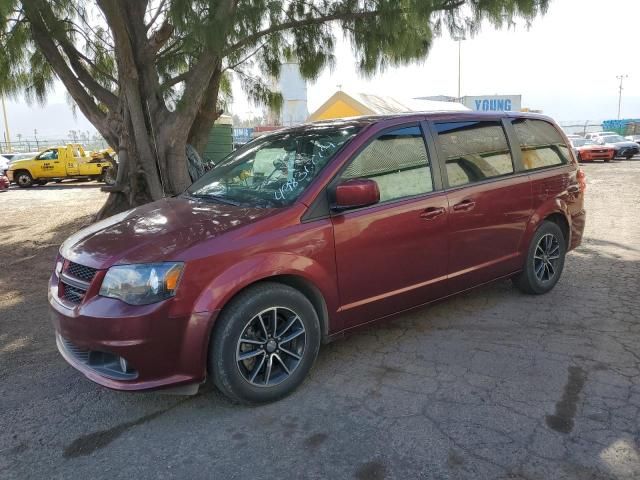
column 541, row 144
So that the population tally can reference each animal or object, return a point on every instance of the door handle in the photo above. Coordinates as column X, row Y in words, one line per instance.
column 464, row 206
column 432, row 212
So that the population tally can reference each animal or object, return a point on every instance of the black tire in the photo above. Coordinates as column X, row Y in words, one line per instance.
column 23, row 179
column 529, row 280
column 629, row 157
column 241, row 317
column 109, row 174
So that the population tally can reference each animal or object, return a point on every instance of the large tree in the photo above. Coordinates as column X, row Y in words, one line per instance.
column 150, row 74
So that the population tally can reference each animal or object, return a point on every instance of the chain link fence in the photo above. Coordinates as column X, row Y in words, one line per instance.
column 38, row 144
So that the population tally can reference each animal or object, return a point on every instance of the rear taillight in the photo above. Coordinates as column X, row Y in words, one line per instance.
column 582, row 180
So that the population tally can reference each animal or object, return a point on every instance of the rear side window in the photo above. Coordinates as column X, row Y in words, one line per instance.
column 542, row 145
column 397, row 161
column 474, row 151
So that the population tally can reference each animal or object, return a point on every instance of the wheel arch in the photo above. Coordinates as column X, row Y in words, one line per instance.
column 19, row 171
column 300, row 283
column 553, row 210
column 560, row 219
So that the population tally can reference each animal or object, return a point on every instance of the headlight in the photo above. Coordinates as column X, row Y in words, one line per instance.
column 142, row 284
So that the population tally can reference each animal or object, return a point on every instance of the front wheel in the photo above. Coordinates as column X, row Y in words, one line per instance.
column 544, row 262
column 24, row 180
column 264, row 344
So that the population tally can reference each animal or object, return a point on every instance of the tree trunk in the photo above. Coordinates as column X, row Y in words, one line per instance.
column 152, row 161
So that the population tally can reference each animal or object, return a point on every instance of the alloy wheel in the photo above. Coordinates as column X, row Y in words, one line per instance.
column 546, row 258
column 271, row 347
column 24, row 180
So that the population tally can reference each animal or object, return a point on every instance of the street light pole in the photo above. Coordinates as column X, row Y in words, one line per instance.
column 621, row 78
column 459, row 64
column 6, row 124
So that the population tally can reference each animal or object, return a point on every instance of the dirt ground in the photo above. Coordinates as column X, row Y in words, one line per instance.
column 491, row 384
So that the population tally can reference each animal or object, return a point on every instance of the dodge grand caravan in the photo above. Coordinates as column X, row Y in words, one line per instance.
column 307, row 233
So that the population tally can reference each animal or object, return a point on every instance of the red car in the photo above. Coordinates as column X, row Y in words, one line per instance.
column 4, row 183
column 307, row 233
column 589, row 151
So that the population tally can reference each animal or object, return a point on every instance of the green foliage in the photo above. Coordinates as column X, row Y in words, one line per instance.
column 248, row 38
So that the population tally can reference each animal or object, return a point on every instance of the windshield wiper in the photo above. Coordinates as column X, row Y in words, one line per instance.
column 217, row 198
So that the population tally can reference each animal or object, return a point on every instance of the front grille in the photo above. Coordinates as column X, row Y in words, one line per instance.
column 80, row 271
column 72, row 294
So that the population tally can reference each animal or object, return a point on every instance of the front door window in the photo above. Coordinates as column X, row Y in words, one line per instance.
column 397, row 161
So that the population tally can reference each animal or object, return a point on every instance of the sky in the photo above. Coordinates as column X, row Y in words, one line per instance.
column 565, row 64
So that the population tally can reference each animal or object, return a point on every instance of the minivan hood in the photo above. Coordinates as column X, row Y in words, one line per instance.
column 159, row 231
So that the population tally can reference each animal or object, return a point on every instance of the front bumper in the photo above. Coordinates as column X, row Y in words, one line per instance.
column 160, row 350
column 10, row 175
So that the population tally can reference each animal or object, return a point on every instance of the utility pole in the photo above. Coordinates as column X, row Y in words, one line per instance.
column 6, row 125
column 459, row 39
column 621, row 78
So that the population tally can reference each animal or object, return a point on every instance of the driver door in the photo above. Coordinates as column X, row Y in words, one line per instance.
column 49, row 165
column 392, row 255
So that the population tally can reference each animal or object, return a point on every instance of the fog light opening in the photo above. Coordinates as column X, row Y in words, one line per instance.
column 124, row 366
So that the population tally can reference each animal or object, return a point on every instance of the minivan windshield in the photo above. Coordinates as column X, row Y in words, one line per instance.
column 272, row 172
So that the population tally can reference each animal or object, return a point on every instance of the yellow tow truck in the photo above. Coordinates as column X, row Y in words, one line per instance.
column 59, row 163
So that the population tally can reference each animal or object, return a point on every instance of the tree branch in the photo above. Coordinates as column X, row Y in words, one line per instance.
column 101, row 93
column 43, row 38
column 160, row 37
column 159, row 11
column 241, row 61
column 300, row 23
column 174, row 81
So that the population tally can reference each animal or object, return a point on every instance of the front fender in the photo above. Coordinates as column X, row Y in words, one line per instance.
column 262, row 267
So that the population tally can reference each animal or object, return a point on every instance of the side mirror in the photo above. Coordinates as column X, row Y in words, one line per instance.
column 356, row 192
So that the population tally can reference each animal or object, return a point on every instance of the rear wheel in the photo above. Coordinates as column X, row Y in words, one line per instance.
column 109, row 175
column 544, row 262
column 24, row 179
column 265, row 342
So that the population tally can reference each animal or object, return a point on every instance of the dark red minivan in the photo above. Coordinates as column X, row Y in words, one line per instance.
column 309, row 232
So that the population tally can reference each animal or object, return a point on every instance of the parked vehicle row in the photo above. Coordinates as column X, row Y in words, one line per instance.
column 310, row 232
column 603, row 146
